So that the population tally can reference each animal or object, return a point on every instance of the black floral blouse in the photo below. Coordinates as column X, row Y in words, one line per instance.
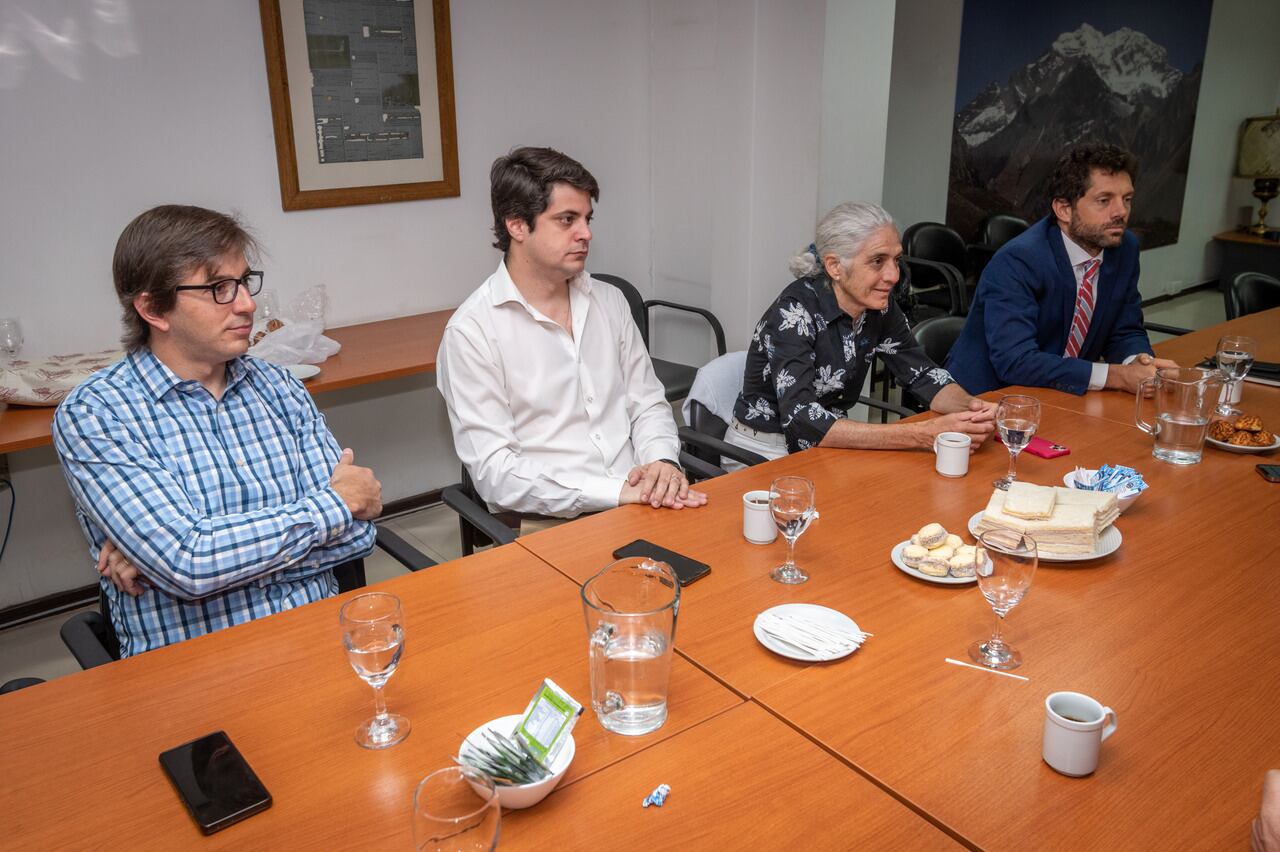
column 808, row 359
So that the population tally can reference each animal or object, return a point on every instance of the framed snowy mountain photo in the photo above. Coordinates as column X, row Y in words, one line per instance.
column 1035, row 79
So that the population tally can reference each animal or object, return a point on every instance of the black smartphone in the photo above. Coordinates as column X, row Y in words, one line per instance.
column 687, row 570
column 215, row 782
column 1270, row 472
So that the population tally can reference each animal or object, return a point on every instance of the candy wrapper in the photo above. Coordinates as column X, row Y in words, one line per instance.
column 1122, row 481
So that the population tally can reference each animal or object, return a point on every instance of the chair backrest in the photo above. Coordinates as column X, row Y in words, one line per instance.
column 1251, row 292
column 634, row 301
column 937, row 335
column 998, row 228
column 935, row 241
column 709, row 406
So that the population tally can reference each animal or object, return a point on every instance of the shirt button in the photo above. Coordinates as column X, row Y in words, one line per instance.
column 591, row 399
column 596, row 436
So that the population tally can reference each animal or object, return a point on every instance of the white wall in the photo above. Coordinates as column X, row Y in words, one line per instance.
column 857, row 56
column 922, row 91
column 89, row 140
column 735, row 107
column 1241, row 68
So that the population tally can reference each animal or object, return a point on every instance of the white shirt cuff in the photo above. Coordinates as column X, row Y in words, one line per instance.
column 1098, row 378
column 599, row 493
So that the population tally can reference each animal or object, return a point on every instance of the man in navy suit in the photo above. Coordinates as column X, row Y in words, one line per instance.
column 1058, row 307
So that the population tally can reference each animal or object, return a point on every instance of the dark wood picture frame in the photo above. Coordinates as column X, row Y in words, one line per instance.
column 292, row 196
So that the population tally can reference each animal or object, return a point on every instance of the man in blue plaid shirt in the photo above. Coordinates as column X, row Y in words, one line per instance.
column 208, row 486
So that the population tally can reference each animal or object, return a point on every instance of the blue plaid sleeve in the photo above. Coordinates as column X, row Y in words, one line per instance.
column 142, row 506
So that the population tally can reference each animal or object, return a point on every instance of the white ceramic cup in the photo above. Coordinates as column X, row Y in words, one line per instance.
column 757, row 521
column 952, row 451
column 1232, row 392
column 1074, row 727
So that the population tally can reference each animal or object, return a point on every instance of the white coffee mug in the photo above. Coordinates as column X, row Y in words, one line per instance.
column 757, row 521
column 952, row 450
column 1074, row 727
column 1232, row 392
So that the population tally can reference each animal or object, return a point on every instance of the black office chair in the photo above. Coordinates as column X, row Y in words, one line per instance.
column 92, row 640
column 998, row 228
column 929, row 288
column 993, row 232
column 18, row 683
column 938, row 261
column 704, row 436
column 676, row 378
column 936, row 336
column 1251, row 292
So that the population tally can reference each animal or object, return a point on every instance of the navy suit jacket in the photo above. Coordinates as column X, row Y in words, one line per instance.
column 1017, row 328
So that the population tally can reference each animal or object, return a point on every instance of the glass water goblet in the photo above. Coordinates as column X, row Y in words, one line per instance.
column 454, row 809
column 791, row 503
column 10, row 339
column 1235, row 356
column 1006, row 563
column 373, row 636
column 1017, row 418
column 268, row 304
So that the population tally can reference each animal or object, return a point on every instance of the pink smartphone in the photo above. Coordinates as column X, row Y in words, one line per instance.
column 1042, row 448
column 1045, row 449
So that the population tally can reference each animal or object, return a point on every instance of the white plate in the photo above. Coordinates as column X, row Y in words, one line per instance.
column 1235, row 448
column 1108, row 543
column 896, row 556
column 820, row 614
column 302, row 372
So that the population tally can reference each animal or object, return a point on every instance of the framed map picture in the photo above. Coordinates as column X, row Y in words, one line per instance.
column 361, row 100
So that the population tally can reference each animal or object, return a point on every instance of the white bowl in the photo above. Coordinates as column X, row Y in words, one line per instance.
column 1122, row 503
column 517, row 796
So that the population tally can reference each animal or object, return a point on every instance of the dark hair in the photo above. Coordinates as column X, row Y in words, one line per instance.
column 1074, row 171
column 520, row 186
column 163, row 246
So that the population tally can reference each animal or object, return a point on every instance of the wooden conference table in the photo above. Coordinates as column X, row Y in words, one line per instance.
column 1176, row 631
column 371, row 352
column 481, row 633
column 890, row 747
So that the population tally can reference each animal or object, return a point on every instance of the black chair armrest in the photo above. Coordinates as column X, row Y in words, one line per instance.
column 82, row 634
column 402, row 551
column 883, row 405
column 477, row 516
column 1176, row 331
column 697, row 469
column 953, row 278
column 716, row 328
column 691, row 436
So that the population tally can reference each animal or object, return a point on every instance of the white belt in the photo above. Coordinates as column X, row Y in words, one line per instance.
column 776, row 439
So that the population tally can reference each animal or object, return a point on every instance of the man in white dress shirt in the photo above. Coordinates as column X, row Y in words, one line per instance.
column 553, row 401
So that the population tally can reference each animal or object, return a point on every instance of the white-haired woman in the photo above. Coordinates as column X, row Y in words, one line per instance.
column 812, row 349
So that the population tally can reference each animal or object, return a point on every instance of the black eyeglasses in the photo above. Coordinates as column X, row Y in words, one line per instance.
column 224, row 290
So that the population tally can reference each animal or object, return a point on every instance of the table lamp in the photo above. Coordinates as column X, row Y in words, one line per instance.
column 1259, row 158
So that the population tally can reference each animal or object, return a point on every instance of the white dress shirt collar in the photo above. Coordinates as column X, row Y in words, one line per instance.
column 1077, row 256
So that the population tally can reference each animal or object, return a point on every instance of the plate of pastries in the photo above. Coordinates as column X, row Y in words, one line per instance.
column 937, row 556
column 1243, row 434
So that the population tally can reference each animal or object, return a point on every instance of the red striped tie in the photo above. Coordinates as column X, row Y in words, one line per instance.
column 1084, row 309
